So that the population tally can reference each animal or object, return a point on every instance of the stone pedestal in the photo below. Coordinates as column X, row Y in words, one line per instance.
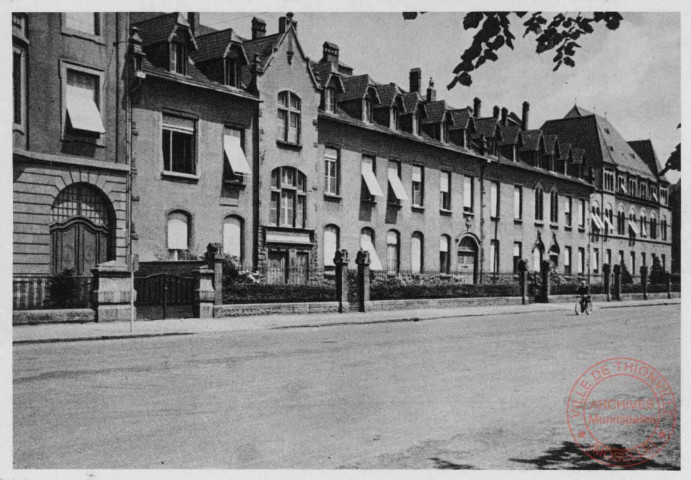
column 616, row 287
column 204, row 293
column 669, row 285
column 523, row 279
column 644, row 281
column 544, row 272
column 214, row 260
column 341, row 262
column 363, row 280
column 112, row 293
column 606, row 279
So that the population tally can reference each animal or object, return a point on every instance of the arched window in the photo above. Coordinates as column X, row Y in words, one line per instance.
column 178, row 233
column 633, row 227
column 367, row 244
column 653, row 225
column 444, row 253
column 233, row 231
column 288, row 197
column 178, row 57
column 289, row 111
column 332, row 242
column 609, row 218
column 416, row 252
column 393, row 251
column 329, row 99
column 621, row 220
column 663, row 227
column 644, row 224
column 539, row 204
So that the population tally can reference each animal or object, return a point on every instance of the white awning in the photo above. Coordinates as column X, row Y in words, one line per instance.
column 396, row 184
column 622, row 187
column 608, row 223
column 598, row 221
column 82, row 110
column 654, row 195
column 634, row 227
column 235, row 156
column 371, row 181
column 366, row 244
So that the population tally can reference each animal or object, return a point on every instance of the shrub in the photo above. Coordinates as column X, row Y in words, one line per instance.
column 657, row 272
column 64, row 290
column 625, row 275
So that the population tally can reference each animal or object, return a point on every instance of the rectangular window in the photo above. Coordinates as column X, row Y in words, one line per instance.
column 82, row 103
column 663, row 261
column 178, row 57
column 418, row 191
column 554, row 207
column 581, row 260
column 596, row 260
column 622, row 184
column 494, row 200
column 235, row 166
column 368, row 167
column 517, row 255
column 643, row 258
column 273, row 213
column 178, row 145
column 632, row 187
column 663, row 195
column 643, row 189
column 294, row 128
column 287, row 205
column 468, row 194
column 621, row 257
column 581, row 213
column 539, row 205
column 608, row 180
column 331, row 168
column 633, row 263
column 567, row 211
column 18, row 85
column 232, row 72
column 300, row 211
column 517, row 202
column 396, row 192
column 494, row 256
column 445, row 191
column 281, row 124
column 85, row 22
column 567, row 260
column 608, row 257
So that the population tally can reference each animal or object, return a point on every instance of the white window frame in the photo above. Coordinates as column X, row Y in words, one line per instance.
column 186, row 131
column 21, row 126
column 517, row 202
column 290, row 111
column 445, row 190
column 64, row 67
column 494, row 196
column 468, row 194
column 418, row 179
column 66, row 30
column 332, row 177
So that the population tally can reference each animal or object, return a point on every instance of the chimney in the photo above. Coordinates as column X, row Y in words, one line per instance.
column 495, row 112
column 415, row 79
column 526, row 111
column 258, row 28
column 431, row 92
column 193, row 20
column 504, row 116
column 329, row 53
column 285, row 22
column 477, row 105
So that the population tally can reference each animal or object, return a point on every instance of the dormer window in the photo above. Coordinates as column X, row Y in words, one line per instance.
column 329, row 100
column 232, row 72
column 178, row 58
column 394, row 118
column 444, row 132
column 418, row 123
column 369, row 111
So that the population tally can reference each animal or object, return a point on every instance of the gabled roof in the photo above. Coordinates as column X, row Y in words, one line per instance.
column 437, row 112
column 357, row 87
column 645, row 150
column 577, row 111
column 462, row 119
column 162, row 28
column 411, row 101
column 216, row 45
column 578, row 155
column 487, row 126
column 325, row 73
column 263, row 46
column 388, row 94
column 511, row 135
column 532, row 140
column 552, row 145
column 565, row 151
column 600, row 140
column 515, row 118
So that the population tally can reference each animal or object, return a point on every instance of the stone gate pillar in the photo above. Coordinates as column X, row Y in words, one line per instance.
column 214, row 261
column 363, row 280
column 606, row 278
column 112, row 292
column 204, row 293
column 544, row 272
column 341, row 262
column 644, row 281
column 616, row 291
column 523, row 279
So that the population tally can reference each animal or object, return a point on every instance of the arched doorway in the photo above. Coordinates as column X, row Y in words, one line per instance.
column 82, row 233
column 467, row 259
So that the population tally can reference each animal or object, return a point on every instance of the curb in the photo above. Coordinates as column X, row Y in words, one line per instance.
column 102, row 337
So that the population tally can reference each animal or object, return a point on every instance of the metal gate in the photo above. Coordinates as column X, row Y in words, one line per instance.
column 164, row 295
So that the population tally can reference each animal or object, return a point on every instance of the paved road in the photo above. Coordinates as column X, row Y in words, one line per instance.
column 475, row 392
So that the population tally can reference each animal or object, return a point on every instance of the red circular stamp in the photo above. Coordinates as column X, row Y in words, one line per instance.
column 621, row 412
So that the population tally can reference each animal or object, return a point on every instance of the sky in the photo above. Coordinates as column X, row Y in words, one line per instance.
column 630, row 75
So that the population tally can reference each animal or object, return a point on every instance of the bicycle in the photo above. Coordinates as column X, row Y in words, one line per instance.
column 588, row 305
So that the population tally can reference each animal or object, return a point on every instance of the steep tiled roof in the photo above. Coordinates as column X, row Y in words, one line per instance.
column 436, row 111
column 264, row 46
column 531, row 140
column 516, row 119
column 158, row 29
column 214, row 45
column 136, row 17
column 551, row 143
column 510, row 134
column 411, row 101
column 565, row 150
column 387, row 94
column 325, row 72
column 356, row 87
column 577, row 111
column 578, row 155
column 461, row 119
column 645, row 150
column 486, row 126
column 600, row 140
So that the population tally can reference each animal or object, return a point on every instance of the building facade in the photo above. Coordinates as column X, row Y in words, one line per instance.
column 70, row 160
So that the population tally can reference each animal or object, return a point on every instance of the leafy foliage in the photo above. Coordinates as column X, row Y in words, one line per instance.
column 560, row 33
column 674, row 160
column 657, row 272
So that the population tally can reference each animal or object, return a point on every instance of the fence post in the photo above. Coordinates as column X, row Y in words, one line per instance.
column 644, row 281
column 544, row 271
column 616, row 293
column 204, row 293
column 523, row 279
column 341, row 262
column 606, row 277
column 112, row 294
column 669, row 284
column 214, row 260
column 363, row 280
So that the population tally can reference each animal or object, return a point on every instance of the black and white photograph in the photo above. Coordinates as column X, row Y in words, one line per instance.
column 266, row 238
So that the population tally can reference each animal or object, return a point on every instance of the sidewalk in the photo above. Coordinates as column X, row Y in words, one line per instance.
column 66, row 332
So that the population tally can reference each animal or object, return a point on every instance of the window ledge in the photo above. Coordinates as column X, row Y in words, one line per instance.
column 289, row 145
column 581, row 229
column 444, row 211
column 83, row 35
column 518, row 221
column 466, row 213
column 333, row 197
column 539, row 223
column 179, row 176
column 553, row 225
column 417, row 208
column 231, row 183
column 568, row 228
column 397, row 205
column 16, row 127
column 494, row 219
column 368, row 202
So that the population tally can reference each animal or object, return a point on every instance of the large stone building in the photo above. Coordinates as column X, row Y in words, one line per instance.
column 282, row 159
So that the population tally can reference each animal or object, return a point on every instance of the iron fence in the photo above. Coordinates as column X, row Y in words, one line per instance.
column 36, row 292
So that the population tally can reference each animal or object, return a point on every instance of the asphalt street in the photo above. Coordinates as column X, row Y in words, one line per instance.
column 467, row 393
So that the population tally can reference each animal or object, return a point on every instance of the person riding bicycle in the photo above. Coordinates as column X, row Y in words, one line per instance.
column 584, row 293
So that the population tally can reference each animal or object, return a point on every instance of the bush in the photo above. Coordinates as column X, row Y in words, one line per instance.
column 234, row 273
column 269, row 293
column 64, row 290
column 657, row 272
column 626, row 278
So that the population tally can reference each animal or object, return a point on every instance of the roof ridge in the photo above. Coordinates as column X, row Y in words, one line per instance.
column 156, row 18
